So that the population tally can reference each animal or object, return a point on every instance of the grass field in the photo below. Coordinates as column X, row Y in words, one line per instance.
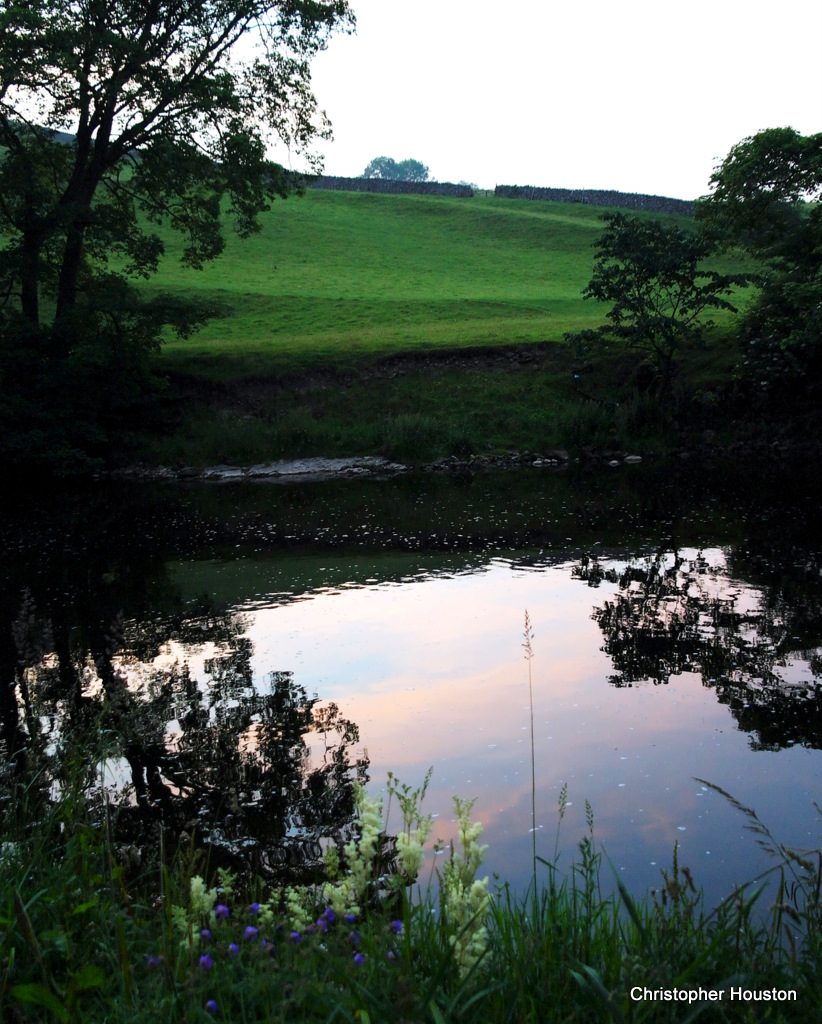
column 335, row 281
column 334, row 276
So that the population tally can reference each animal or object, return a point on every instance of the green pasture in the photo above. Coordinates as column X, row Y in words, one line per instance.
column 335, row 280
column 333, row 277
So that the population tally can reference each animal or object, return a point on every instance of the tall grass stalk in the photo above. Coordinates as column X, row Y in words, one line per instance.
column 528, row 636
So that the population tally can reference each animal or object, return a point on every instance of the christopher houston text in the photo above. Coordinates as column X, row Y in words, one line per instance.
column 713, row 995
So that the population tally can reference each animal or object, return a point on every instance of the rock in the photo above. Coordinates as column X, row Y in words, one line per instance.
column 224, row 473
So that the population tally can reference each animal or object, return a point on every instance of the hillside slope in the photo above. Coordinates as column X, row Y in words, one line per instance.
column 333, row 277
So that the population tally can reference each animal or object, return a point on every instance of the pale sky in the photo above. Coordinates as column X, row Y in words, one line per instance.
column 638, row 96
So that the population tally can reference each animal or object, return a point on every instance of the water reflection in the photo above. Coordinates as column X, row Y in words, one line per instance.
column 219, row 761
column 679, row 611
column 401, row 604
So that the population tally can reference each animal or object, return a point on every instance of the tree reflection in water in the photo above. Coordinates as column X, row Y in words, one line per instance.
column 675, row 612
column 221, row 762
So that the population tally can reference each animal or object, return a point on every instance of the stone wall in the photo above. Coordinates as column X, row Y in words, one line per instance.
column 598, row 197
column 593, row 197
column 386, row 187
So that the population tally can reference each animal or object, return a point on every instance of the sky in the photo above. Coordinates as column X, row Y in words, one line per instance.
column 638, row 96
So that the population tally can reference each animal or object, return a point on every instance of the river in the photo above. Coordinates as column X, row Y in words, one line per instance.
column 261, row 644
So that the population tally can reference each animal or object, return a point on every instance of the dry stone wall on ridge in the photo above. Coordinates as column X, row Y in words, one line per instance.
column 387, row 187
column 598, row 197
column 593, row 197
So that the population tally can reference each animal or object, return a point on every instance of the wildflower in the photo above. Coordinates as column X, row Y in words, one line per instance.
column 329, row 915
column 227, row 879
column 415, row 831
column 206, row 963
column 355, row 938
column 295, row 936
column 234, row 949
column 202, row 899
column 359, row 959
column 466, row 899
column 221, row 913
column 205, row 935
column 154, row 961
column 295, row 908
column 392, row 956
column 211, row 1006
column 251, row 932
column 350, row 918
column 410, row 853
column 322, row 924
column 332, row 863
column 396, row 927
column 254, row 909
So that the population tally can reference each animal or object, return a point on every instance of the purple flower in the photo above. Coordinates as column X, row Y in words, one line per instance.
column 154, row 961
column 350, row 918
column 234, row 949
column 359, row 959
column 355, row 938
column 392, row 956
column 221, row 913
column 205, row 935
column 329, row 915
column 396, row 927
column 322, row 924
column 251, row 932
column 206, row 963
column 295, row 936
column 254, row 909
column 211, row 1006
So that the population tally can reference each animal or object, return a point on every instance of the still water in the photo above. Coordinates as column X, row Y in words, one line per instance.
column 677, row 647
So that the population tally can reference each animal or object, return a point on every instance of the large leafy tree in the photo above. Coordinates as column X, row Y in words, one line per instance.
column 116, row 115
column 765, row 199
column 654, row 276
column 393, row 170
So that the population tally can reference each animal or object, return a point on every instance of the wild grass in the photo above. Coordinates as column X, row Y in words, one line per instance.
column 87, row 936
column 420, row 416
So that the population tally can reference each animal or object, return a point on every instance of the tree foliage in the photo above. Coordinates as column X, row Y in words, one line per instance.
column 765, row 199
column 653, row 275
column 169, row 119
column 391, row 170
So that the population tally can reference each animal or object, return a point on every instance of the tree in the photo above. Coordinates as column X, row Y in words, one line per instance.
column 765, row 199
column 168, row 116
column 390, row 170
column 651, row 272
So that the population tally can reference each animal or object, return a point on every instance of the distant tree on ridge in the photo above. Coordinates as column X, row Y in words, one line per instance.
column 387, row 168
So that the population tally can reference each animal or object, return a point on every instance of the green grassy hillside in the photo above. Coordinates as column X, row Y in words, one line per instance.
column 333, row 276
column 335, row 281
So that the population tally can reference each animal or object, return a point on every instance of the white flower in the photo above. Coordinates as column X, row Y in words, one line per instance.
column 466, row 899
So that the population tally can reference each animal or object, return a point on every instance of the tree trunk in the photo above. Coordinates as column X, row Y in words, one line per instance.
column 30, row 277
column 90, row 166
